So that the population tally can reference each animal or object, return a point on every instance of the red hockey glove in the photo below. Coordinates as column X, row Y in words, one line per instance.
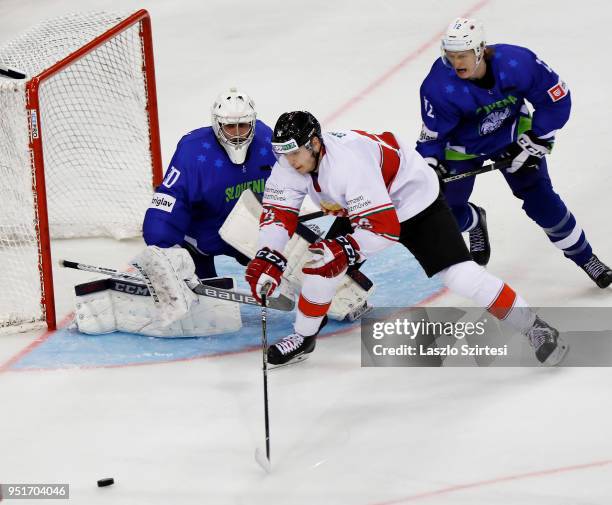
column 265, row 269
column 332, row 256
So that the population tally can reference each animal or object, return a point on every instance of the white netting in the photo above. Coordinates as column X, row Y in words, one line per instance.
column 19, row 274
column 95, row 138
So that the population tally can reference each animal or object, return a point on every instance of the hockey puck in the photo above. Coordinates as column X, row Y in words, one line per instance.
column 106, row 482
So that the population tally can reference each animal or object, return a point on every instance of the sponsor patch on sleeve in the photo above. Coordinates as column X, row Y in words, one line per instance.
column 427, row 134
column 558, row 91
column 164, row 202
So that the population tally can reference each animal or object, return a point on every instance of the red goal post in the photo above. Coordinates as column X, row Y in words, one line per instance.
column 92, row 138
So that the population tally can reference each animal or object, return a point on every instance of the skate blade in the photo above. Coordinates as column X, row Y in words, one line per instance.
column 293, row 361
column 558, row 355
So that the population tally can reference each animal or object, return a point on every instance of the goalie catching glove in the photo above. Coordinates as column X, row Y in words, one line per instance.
column 266, row 269
column 332, row 256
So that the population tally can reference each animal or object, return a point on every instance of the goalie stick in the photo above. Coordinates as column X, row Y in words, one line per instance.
column 280, row 302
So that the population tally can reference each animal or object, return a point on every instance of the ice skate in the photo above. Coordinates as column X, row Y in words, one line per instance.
column 291, row 349
column 480, row 248
column 550, row 348
column 599, row 272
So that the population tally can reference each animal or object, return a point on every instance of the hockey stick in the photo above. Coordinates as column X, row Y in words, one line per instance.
column 259, row 457
column 313, row 215
column 489, row 167
column 280, row 302
column 11, row 72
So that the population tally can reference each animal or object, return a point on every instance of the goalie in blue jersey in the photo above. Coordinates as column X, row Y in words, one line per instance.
column 210, row 169
column 474, row 108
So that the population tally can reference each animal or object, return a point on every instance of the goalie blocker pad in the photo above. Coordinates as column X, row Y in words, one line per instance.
column 108, row 305
column 241, row 231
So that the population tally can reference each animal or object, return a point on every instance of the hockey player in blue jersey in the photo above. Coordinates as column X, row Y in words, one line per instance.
column 210, row 169
column 473, row 106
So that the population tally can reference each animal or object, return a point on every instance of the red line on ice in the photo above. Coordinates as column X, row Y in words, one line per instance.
column 32, row 345
column 376, row 83
column 489, row 482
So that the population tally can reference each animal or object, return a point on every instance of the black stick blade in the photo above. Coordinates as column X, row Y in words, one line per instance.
column 12, row 73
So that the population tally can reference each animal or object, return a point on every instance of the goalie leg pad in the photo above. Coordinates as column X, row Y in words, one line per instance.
column 349, row 300
column 107, row 310
column 94, row 313
column 165, row 272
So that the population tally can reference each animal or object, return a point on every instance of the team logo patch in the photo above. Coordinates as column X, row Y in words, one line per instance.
column 364, row 223
column 268, row 217
column 494, row 120
column 164, row 202
column 558, row 91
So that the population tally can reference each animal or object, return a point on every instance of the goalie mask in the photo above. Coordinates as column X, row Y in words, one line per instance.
column 233, row 121
column 464, row 34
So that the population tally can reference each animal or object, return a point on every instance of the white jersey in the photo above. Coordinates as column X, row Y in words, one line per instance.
column 373, row 179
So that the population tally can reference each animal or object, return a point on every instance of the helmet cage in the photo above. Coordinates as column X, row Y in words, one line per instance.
column 235, row 139
column 234, row 108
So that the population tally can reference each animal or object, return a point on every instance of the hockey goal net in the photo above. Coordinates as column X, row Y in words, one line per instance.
column 79, row 147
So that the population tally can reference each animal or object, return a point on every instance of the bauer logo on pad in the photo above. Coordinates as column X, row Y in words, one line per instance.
column 163, row 202
column 558, row 91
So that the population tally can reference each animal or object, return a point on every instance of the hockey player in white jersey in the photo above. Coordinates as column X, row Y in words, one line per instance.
column 390, row 194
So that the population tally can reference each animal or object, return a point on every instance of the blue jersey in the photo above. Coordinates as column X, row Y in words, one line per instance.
column 465, row 119
column 201, row 187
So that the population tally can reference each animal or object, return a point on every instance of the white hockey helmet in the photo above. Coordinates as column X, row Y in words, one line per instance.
column 234, row 107
column 464, row 34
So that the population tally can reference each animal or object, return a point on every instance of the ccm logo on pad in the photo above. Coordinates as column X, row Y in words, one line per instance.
column 163, row 202
column 558, row 91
